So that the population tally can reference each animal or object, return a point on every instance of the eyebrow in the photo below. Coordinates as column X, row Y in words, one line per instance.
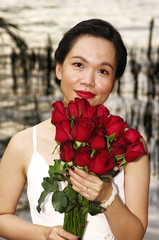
column 101, row 64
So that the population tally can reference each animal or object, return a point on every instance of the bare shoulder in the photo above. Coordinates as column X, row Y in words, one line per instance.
column 22, row 139
column 19, row 148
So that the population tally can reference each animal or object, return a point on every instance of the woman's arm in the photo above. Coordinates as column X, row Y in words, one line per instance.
column 129, row 220
column 13, row 168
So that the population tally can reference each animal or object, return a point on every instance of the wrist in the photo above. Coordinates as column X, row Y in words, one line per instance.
column 47, row 231
column 111, row 199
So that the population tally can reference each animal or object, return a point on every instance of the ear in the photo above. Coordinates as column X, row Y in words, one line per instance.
column 59, row 71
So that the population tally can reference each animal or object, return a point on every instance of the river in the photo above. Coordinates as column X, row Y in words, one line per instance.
column 39, row 18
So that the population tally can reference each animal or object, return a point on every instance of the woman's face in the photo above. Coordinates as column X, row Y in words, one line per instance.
column 88, row 70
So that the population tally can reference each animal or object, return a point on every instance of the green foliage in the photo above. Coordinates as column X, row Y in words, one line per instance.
column 104, row 178
column 57, row 168
column 94, row 208
column 59, row 201
column 49, row 185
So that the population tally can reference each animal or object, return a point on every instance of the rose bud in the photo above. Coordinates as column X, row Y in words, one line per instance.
column 80, row 107
column 90, row 112
column 101, row 162
column 63, row 132
column 75, row 108
column 59, row 113
column 81, row 129
column 83, row 156
column 117, row 148
column 115, row 125
column 102, row 111
column 97, row 139
column 131, row 135
column 67, row 153
column 134, row 151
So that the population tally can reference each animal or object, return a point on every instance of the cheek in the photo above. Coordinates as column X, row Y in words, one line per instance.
column 106, row 87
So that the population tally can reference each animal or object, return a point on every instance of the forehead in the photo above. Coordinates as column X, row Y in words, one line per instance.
column 93, row 47
column 88, row 38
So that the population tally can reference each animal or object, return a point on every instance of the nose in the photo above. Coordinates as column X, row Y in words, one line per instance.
column 88, row 78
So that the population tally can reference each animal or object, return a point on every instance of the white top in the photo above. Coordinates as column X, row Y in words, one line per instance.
column 97, row 226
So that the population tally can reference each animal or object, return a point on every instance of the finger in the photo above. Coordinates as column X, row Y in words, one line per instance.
column 60, row 234
column 87, row 193
column 84, row 175
column 79, row 184
column 79, row 187
column 82, row 183
column 69, row 236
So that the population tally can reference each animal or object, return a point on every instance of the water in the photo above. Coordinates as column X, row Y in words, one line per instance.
column 54, row 17
column 39, row 18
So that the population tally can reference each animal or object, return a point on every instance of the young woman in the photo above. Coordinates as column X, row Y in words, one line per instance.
column 89, row 59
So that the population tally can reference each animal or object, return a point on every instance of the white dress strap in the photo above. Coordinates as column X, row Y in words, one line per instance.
column 35, row 138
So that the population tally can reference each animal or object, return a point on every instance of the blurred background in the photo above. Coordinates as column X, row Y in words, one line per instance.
column 29, row 33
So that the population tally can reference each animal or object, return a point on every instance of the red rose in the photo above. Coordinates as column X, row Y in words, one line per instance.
column 103, row 121
column 117, row 148
column 97, row 140
column 102, row 111
column 130, row 136
column 67, row 153
column 90, row 112
column 81, row 129
column 115, row 124
column 83, row 156
column 75, row 108
column 63, row 131
column 101, row 162
column 59, row 113
column 80, row 108
column 134, row 151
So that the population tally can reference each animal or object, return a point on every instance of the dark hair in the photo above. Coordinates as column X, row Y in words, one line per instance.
column 97, row 28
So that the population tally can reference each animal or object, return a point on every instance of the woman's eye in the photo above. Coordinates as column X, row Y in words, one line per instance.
column 78, row 64
column 103, row 71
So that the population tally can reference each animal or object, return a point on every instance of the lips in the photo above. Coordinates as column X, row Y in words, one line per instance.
column 85, row 94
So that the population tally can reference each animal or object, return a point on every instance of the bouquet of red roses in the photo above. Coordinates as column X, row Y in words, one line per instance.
column 94, row 140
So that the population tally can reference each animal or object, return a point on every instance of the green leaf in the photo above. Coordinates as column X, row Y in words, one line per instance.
column 80, row 198
column 110, row 138
column 120, row 157
column 123, row 162
column 104, row 178
column 70, row 206
column 57, row 168
column 77, row 145
column 93, row 152
column 41, row 199
column 71, row 194
column 49, row 184
column 58, row 177
column 59, row 201
column 94, row 208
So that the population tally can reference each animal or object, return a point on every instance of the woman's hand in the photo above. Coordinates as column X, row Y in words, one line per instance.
column 89, row 186
column 58, row 233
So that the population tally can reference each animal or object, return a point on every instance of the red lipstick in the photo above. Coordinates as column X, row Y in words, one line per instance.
column 85, row 94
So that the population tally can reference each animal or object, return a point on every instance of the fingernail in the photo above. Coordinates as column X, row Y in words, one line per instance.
column 68, row 175
column 67, row 170
column 72, row 167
